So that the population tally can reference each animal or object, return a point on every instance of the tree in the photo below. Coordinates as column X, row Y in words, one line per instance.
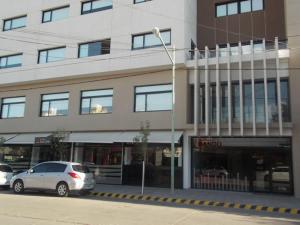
column 141, row 140
column 59, row 148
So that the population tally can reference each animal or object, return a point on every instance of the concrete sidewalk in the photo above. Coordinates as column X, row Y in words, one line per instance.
column 281, row 203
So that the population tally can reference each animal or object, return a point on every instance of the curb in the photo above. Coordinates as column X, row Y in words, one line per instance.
column 191, row 202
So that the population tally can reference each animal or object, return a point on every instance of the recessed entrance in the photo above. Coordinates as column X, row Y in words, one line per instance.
column 242, row 164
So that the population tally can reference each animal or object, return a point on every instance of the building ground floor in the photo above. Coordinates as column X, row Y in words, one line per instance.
column 242, row 164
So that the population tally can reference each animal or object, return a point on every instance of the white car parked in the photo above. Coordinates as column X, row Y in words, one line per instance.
column 6, row 173
column 62, row 177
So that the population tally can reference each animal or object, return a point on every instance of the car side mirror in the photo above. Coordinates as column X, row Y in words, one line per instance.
column 31, row 171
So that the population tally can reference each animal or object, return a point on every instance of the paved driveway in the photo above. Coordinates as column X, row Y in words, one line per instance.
column 46, row 209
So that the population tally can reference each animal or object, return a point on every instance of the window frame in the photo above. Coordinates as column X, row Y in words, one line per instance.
column 51, row 11
column 47, row 58
column 91, row 42
column 52, row 100
column 11, row 19
column 90, row 98
column 15, row 103
column 144, row 36
column 238, row 7
column 135, row 1
column 93, row 10
column 12, row 66
column 149, row 93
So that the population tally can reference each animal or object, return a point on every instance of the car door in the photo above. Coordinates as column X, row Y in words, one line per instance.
column 34, row 178
column 55, row 174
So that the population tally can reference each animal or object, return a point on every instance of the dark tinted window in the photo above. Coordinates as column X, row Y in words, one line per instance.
column 42, row 168
column 5, row 169
column 81, row 169
column 56, row 167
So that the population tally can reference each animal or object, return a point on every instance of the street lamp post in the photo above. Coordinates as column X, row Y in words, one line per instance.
column 172, row 57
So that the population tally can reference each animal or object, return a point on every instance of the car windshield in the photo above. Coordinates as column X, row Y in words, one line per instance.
column 5, row 169
column 81, row 168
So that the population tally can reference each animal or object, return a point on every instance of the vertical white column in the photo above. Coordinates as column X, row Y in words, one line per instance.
column 278, row 88
column 241, row 90
column 187, row 161
column 266, row 88
column 253, row 90
column 196, row 94
column 206, row 93
column 229, row 91
column 218, row 89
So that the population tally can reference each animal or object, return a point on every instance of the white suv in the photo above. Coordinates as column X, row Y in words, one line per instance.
column 6, row 173
column 62, row 177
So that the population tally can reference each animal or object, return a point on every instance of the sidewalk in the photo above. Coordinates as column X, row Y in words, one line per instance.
column 255, row 201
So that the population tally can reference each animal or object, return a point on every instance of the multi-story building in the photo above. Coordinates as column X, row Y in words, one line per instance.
column 94, row 70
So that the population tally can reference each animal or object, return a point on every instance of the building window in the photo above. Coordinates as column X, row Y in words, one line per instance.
column 153, row 98
column 148, row 40
column 235, row 7
column 51, row 55
column 95, row 6
column 140, row 1
column 232, row 8
column 224, row 103
column 213, row 104
column 260, row 102
column 55, row 104
column 285, row 100
column 94, row 48
column 55, row 14
column 245, row 6
column 96, row 101
column 14, row 23
column 235, row 102
column 10, row 61
column 12, row 107
column 257, row 5
column 221, row 10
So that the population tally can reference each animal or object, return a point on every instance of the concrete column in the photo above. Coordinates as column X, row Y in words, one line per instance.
column 187, row 160
column 218, row 90
column 253, row 91
column 241, row 90
column 196, row 93
column 78, row 153
column 35, row 155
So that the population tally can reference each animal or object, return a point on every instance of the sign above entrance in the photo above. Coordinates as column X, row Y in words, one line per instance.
column 205, row 142
column 42, row 141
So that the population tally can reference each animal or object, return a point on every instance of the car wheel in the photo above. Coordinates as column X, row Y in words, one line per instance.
column 62, row 189
column 18, row 186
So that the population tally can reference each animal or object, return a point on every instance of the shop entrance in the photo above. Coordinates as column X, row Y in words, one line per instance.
column 104, row 160
column 237, row 165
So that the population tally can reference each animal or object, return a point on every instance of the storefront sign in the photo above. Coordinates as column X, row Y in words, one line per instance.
column 42, row 141
column 205, row 142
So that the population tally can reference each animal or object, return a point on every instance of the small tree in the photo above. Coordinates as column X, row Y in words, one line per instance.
column 141, row 140
column 59, row 149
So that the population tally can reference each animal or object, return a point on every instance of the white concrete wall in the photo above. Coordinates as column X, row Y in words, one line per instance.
column 118, row 24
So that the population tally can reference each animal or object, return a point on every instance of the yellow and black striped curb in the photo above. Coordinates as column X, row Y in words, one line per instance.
column 190, row 202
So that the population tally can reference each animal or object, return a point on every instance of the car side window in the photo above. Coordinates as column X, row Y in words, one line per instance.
column 40, row 168
column 56, row 168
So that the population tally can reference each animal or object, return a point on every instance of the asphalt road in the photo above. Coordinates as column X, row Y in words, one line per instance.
column 47, row 209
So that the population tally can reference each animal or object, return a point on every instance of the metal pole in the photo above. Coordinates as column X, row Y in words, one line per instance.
column 173, row 124
column 143, row 178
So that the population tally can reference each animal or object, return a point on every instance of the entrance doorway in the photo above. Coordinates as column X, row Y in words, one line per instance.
column 242, row 164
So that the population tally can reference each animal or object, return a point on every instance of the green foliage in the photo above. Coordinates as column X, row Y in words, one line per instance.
column 59, row 149
column 141, row 141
